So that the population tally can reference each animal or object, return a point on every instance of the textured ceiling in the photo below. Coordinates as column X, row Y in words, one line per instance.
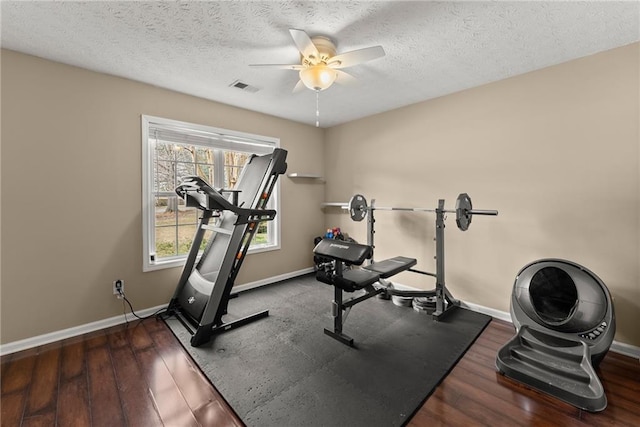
column 432, row 48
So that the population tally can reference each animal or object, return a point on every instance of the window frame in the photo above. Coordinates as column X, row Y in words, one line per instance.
column 148, row 194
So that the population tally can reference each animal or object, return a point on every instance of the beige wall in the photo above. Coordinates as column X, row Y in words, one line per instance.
column 555, row 151
column 71, row 193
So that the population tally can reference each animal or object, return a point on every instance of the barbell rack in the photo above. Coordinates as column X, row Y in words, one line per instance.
column 359, row 209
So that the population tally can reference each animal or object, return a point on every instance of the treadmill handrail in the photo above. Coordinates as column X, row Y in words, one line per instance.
column 199, row 194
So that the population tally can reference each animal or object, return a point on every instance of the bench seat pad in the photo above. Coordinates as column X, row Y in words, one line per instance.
column 353, row 280
column 392, row 266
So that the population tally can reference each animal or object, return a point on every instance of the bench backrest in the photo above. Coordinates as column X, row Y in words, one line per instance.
column 348, row 252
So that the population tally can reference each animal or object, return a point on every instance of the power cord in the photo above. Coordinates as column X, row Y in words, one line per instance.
column 124, row 308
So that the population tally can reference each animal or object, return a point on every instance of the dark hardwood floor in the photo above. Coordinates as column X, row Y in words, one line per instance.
column 141, row 376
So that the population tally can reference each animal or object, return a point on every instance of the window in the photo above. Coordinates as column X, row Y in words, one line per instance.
column 172, row 150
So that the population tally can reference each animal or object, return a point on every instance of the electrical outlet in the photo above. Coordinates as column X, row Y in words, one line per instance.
column 118, row 288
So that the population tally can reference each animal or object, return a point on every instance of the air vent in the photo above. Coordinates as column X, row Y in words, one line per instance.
column 244, row 86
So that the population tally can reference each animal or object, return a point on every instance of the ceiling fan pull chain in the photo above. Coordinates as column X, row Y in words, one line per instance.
column 317, row 108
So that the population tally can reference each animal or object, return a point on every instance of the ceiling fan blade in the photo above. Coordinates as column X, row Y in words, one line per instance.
column 355, row 57
column 345, row 78
column 304, row 44
column 295, row 67
column 299, row 87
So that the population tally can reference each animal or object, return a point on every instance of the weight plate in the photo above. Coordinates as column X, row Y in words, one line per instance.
column 425, row 304
column 358, row 207
column 401, row 301
column 463, row 216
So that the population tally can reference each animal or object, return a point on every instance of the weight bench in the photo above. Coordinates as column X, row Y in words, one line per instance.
column 345, row 254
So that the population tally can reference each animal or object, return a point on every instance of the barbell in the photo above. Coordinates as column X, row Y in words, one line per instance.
column 464, row 211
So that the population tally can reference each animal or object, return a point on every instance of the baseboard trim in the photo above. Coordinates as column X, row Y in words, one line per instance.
column 270, row 280
column 25, row 344
column 616, row 347
column 39, row 340
column 496, row 314
column 626, row 349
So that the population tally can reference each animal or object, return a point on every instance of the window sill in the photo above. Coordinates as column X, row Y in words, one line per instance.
column 179, row 262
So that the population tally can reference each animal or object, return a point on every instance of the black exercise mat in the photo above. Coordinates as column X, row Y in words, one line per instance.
column 284, row 371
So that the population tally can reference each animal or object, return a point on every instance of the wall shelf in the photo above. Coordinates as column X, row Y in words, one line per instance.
column 335, row 204
column 305, row 175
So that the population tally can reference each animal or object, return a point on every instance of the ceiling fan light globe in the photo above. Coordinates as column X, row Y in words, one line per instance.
column 318, row 77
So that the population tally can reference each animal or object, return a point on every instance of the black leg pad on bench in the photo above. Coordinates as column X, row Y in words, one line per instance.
column 353, row 280
column 392, row 266
column 350, row 281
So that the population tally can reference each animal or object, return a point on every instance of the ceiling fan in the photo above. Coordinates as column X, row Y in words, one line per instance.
column 319, row 65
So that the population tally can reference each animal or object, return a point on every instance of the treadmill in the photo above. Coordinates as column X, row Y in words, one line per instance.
column 201, row 298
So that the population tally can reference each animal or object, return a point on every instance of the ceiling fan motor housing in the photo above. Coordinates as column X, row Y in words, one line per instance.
column 326, row 49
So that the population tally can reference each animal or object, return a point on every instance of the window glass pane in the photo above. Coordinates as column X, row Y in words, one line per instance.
column 187, row 216
column 205, row 172
column 185, row 237
column 204, row 155
column 261, row 237
column 165, row 242
column 185, row 153
column 164, row 151
column 233, row 163
column 183, row 170
column 165, row 208
column 164, row 176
